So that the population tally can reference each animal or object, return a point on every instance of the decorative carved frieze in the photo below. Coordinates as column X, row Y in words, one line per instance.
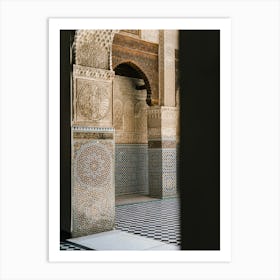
column 162, row 112
column 93, row 135
column 154, row 113
column 92, row 73
column 92, row 129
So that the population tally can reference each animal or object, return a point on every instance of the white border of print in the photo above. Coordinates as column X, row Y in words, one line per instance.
column 55, row 25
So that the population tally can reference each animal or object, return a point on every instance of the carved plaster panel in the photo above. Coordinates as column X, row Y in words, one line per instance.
column 118, row 115
column 92, row 56
column 168, row 112
column 141, row 116
column 162, row 122
column 100, row 37
column 130, row 111
column 94, row 48
column 154, row 113
column 129, row 116
column 92, row 102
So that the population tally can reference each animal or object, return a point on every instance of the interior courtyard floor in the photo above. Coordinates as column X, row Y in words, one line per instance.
column 143, row 216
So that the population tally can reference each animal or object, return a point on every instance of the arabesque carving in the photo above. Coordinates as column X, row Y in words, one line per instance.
column 92, row 73
column 93, row 100
column 130, row 111
column 94, row 47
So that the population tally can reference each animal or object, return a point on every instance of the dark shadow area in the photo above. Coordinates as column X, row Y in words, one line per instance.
column 200, row 139
column 66, row 39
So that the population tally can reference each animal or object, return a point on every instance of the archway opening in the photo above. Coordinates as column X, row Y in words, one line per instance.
column 130, row 69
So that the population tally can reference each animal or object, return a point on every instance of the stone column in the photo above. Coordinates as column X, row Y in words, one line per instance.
column 93, row 149
column 166, row 68
column 162, row 151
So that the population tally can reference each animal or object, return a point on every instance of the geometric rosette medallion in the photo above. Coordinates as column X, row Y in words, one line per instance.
column 92, row 166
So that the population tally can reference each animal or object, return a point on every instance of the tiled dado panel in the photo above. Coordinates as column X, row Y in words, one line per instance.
column 162, row 172
column 93, row 192
column 131, row 167
column 169, row 172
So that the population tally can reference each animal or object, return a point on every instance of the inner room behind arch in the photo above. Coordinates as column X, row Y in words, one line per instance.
column 145, row 114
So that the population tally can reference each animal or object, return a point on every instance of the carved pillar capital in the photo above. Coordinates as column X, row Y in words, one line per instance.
column 162, row 122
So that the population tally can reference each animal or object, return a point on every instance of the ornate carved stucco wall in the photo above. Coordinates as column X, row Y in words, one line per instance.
column 93, row 144
column 93, row 48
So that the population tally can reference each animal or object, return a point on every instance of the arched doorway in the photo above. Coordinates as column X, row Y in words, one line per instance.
column 131, row 96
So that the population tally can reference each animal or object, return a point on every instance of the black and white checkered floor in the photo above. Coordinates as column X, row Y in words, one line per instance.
column 158, row 219
column 69, row 246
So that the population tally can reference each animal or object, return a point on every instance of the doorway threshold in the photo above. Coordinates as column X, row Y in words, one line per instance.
column 118, row 240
